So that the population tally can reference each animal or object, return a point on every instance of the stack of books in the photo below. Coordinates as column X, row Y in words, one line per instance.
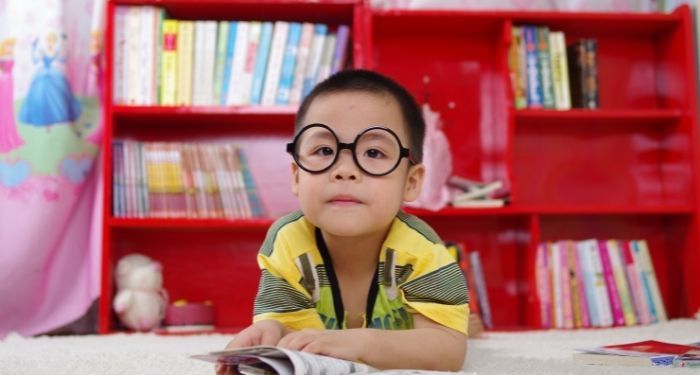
column 477, row 194
column 643, row 353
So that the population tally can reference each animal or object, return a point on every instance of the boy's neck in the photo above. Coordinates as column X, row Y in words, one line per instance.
column 355, row 254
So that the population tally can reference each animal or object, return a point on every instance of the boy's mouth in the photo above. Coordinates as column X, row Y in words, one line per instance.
column 344, row 200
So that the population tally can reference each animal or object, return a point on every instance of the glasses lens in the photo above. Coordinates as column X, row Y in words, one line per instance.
column 316, row 148
column 377, row 151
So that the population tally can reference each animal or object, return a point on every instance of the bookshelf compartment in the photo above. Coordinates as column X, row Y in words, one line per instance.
column 502, row 242
column 199, row 264
column 601, row 164
column 464, row 60
column 640, row 57
column 670, row 240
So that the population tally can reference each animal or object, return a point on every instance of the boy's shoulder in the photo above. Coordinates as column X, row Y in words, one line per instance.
column 293, row 225
column 413, row 237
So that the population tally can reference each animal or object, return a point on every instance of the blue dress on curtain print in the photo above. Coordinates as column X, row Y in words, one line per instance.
column 50, row 99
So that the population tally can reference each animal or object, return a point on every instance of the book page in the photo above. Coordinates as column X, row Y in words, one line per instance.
column 312, row 364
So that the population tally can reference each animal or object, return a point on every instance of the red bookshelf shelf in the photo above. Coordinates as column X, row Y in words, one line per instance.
column 611, row 210
column 263, row 111
column 607, row 117
column 232, row 224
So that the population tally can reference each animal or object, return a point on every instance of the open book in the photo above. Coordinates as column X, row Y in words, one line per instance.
column 642, row 353
column 264, row 360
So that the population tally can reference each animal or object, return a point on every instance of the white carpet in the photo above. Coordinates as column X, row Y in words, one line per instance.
column 535, row 352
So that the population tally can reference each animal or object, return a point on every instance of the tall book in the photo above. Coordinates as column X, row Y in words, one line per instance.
column 274, row 64
column 254, row 33
column 185, row 50
column 341, row 48
column 168, row 70
column 236, row 94
column 641, row 251
column 303, row 54
column 583, row 73
column 119, row 60
column 543, row 285
column 475, row 261
column 636, row 287
column 220, row 60
column 560, row 70
column 602, row 300
column 315, row 55
column 613, row 294
column 228, row 64
column 261, row 61
column 623, row 289
column 588, row 280
column 288, row 64
column 518, row 73
column 545, row 64
column 532, row 64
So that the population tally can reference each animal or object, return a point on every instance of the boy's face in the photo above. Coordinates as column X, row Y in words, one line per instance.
column 344, row 201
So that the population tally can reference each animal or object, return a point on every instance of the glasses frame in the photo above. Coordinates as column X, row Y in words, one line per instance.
column 403, row 151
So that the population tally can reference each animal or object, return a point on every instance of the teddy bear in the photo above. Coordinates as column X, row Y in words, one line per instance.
column 140, row 301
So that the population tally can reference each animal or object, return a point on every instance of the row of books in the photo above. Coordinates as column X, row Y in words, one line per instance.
column 159, row 61
column 597, row 283
column 545, row 73
column 470, row 263
column 182, row 180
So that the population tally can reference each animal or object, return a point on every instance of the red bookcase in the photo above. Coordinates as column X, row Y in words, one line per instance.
column 627, row 170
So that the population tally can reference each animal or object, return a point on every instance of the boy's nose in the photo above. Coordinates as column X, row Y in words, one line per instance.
column 345, row 167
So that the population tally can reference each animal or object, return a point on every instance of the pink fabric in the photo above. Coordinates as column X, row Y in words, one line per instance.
column 50, row 193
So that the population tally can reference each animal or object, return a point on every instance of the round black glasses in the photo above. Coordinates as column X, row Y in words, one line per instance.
column 377, row 151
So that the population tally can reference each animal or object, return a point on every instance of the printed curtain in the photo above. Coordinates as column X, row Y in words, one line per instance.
column 50, row 138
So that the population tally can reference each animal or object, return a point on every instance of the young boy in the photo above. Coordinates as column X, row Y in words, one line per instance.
column 350, row 275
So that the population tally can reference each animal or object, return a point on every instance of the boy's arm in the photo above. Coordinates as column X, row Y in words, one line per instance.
column 429, row 346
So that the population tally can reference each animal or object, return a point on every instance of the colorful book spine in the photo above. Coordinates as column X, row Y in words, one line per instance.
column 315, row 54
column 119, row 41
column 220, row 60
column 601, row 292
column 324, row 67
column 560, row 70
column 534, row 83
column 545, row 72
column 261, row 63
column 307, row 34
column 117, row 178
column 185, row 50
column 518, row 72
column 230, row 47
column 274, row 64
column 590, row 82
column 168, row 70
column 635, row 281
column 288, row 64
column 557, row 292
column 236, row 95
column 613, row 294
column 618, row 269
column 543, row 285
column 588, row 277
column 580, row 301
column 565, row 280
column 254, row 32
column 341, row 48
column 209, row 62
column 650, row 277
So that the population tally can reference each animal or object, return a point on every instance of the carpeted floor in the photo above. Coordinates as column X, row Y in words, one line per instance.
column 535, row 352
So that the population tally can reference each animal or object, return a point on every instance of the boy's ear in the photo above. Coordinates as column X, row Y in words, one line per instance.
column 295, row 179
column 414, row 182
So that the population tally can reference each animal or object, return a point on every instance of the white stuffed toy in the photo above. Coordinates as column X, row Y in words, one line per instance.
column 141, row 300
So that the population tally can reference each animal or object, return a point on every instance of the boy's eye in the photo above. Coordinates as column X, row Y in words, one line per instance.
column 324, row 151
column 374, row 153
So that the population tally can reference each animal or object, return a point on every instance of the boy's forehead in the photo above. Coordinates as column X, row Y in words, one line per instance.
column 349, row 112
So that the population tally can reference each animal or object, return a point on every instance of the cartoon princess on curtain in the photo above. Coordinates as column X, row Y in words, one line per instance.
column 9, row 138
column 50, row 99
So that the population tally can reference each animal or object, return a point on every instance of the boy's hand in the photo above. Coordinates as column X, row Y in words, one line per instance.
column 345, row 344
column 265, row 332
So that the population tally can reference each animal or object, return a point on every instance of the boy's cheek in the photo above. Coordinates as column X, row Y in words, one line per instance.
column 295, row 179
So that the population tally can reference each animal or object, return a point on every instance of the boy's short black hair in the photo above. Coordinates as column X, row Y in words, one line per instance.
column 372, row 82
